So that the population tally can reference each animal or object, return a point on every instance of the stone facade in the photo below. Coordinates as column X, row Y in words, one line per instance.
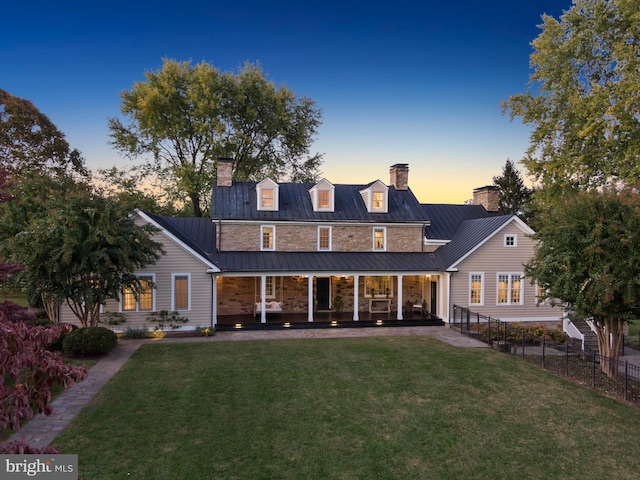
column 304, row 238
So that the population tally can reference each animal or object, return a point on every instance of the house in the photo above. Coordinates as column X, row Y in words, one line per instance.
column 294, row 253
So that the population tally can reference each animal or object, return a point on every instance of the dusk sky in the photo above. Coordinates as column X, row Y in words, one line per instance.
column 398, row 82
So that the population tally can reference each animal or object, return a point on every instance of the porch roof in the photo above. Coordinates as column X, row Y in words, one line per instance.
column 304, row 262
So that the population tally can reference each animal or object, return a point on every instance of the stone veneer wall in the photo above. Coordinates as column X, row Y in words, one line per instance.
column 304, row 238
column 236, row 295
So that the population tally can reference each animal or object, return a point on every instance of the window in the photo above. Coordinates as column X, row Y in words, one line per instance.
column 379, row 238
column 324, row 238
column 510, row 288
column 181, row 292
column 510, row 240
column 322, row 196
column 378, row 286
column 144, row 300
column 378, row 200
column 476, row 289
column 267, row 237
column 324, row 200
column 266, row 201
column 267, row 195
column 541, row 295
column 270, row 287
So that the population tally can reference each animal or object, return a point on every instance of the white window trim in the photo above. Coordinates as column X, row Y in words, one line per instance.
column 154, row 295
column 384, row 239
column 515, row 240
column 509, row 302
column 482, row 285
column 173, row 291
column 273, row 240
column 367, row 293
column 321, row 227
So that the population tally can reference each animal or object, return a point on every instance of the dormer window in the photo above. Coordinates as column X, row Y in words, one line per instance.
column 376, row 197
column 322, row 196
column 378, row 200
column 267, row 193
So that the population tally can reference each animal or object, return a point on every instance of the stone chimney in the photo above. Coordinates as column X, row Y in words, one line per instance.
column 400, row 176
column 225, row 171
column 486, row 196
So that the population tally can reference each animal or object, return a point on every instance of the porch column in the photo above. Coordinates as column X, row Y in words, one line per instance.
column 399, row 297
column 214, row 301
column 356, row 295
column 263, row 300
column 310, row 300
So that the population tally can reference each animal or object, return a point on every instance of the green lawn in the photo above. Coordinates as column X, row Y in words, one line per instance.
column 383, row 408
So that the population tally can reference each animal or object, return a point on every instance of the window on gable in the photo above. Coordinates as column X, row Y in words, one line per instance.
column 181, row 291
column 267, row 237
column 476, row 289
column 510, row 288
column 379, row 238
column 144, row 300
column 510, row 240
column 324, row 238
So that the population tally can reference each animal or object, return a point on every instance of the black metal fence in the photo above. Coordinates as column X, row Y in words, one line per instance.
column 552, row 352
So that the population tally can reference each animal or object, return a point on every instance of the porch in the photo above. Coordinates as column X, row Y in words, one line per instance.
column 328, row 319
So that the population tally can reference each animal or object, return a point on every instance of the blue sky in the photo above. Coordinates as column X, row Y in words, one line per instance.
column 415, row 82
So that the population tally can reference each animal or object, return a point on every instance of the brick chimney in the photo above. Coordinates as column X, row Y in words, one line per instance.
column 486, row 196
column 225, row 171
column 400, row 176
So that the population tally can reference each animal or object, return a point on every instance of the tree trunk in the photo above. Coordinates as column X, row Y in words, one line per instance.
column 51, row 307
column 609, row 333
column 195, row 200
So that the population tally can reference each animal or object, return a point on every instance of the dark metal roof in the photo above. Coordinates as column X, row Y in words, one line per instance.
column 239, row 202
column 198, row 233
column 469, row 235
column 304, row 262
column 445, row 219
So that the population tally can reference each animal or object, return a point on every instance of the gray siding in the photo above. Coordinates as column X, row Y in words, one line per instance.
column 176, row 260
column 493, row 257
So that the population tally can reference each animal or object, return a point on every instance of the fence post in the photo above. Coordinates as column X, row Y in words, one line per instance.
column 489, row 339
column 566, row 363
column 593, row 373
column 626, row 378
column 468, row 321
column 523, row 344
column 543, row 345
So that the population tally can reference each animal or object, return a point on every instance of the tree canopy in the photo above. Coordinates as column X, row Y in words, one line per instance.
column 30, row 143
column 588, row 256
column 183, row 117
column 584, row 102
column 78, row 247
column 514, row 196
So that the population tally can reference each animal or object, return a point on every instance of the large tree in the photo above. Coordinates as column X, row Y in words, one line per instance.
column 31, row 144
column 588, row 256
column 514, row 196
column 78, row 247
column 182, row 117
column 584, row 102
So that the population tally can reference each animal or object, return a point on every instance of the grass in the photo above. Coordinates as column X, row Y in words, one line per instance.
column 384, row 408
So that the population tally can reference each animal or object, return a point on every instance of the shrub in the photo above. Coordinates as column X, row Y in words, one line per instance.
column 89, row 341
column 203, row 331
column 135, row 332
column 165, row 318
column 56, row 346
